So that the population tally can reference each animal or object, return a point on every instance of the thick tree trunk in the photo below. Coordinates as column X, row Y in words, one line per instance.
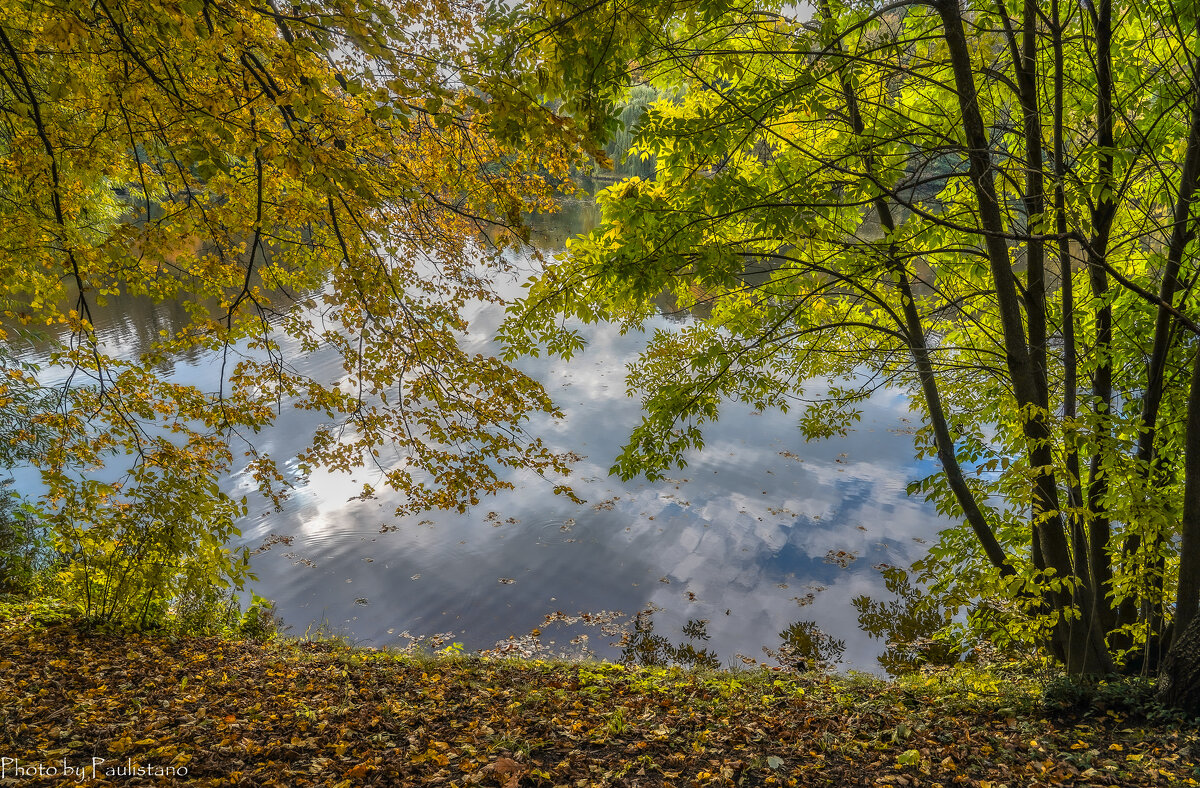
column 1099, row 528
column 1179, row 682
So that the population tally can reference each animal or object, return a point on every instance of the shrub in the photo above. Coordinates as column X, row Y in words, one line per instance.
column 24, row 549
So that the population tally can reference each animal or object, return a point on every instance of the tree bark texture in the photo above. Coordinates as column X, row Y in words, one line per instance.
column 1179, row 683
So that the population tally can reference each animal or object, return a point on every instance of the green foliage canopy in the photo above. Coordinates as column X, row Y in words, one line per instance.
column 990, row 204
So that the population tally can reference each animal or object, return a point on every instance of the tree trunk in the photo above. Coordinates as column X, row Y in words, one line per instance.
column 1081, row 648
column 1179, row 682
column 1099, row 528
column 1187, row 595
column 913, row 330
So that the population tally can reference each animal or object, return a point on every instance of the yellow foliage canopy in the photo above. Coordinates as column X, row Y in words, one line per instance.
column 314, row 172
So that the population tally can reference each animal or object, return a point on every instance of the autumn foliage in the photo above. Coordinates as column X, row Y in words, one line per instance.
column 298, row 178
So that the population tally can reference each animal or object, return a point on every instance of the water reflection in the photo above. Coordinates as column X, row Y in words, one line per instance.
column 761, row 530
column 641, row 646
column 804, row 647
column 761, row 539
column 908, row 623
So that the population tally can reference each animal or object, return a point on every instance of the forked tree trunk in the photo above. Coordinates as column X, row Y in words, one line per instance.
column 1080, row 646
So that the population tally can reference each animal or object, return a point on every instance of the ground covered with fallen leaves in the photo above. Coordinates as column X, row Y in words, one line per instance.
column 136, row 709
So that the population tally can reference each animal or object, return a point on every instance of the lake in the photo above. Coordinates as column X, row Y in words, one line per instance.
column 759, row 532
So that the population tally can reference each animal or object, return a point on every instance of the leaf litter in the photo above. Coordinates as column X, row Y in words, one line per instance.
column 294, row 713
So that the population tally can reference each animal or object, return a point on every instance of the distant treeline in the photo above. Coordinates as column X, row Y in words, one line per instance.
column 624, row 163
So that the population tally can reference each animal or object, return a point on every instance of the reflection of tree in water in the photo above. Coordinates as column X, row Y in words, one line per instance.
column 908, row 624
column 806, row 647
column 643, row 647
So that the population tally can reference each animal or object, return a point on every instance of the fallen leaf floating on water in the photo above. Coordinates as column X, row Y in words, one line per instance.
column 841, row 558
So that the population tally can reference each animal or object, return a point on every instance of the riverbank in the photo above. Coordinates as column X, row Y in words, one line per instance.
column 125, row 709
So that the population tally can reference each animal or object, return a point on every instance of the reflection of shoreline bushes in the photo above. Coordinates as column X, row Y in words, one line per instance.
column 804, row 647
column 642, row 646
column 912, row 625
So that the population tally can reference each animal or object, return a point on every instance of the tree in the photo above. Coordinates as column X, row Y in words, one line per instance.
column 299, row 177
column 624, row 162
column 989, row 203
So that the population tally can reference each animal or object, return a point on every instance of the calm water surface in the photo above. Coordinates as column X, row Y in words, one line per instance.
column 760, row 531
